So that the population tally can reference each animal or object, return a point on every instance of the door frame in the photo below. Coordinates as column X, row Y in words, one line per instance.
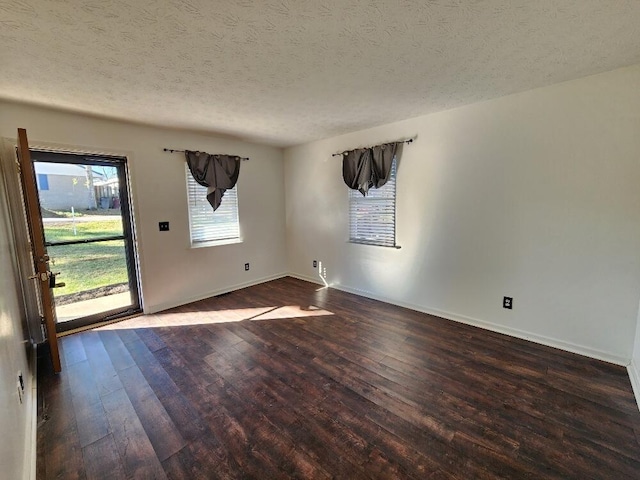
column 19, row 229
column 24, row 259
column 128, row 224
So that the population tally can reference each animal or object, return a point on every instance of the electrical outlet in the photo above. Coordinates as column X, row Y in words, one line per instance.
column 507, row 302
column 163, row 226
column 315, row 264
column 246, row 267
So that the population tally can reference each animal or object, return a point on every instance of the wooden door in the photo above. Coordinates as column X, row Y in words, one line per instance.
column 38, row 248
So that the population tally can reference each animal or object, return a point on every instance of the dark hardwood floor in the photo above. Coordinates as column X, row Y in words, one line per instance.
column 299, row 382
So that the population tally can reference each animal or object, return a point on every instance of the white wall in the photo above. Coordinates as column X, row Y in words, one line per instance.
column 172, row 272
column 534, row 195
column 17, row 444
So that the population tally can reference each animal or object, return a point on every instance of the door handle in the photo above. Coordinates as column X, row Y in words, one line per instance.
column 40, row 276
column 50, row 276
column 52, row 280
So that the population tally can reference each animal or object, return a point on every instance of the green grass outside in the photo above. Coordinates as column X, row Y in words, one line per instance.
column 46, row 213
column 64, row 231
column 87, row 266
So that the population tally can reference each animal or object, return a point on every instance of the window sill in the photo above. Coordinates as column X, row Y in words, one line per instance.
column 215, row 243
column 394, row 247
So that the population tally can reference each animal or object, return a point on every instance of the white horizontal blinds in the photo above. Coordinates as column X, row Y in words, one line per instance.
column 207, row 225
column 372, row 219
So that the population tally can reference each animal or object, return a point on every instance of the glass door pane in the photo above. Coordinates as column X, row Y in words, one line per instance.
column 87, row 229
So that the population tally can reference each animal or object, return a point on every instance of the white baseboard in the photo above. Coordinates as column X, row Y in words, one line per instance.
column 634, row 375
column 315, row 280
column 184, row 301
column 513, row 332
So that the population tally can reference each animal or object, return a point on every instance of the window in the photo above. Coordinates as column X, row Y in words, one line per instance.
column 372, row 219
column 43, row 181
column 207, row 225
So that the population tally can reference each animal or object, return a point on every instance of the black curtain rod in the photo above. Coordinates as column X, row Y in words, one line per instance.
column 171, row 150
column 346, row 151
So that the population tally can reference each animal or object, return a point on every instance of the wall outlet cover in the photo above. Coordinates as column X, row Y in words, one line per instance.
column 163, row 226
column 315, row 264
column 246, row 267
column 507, row 302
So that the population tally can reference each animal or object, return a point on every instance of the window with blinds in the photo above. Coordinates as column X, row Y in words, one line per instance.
column 372, row 219
column 207, row 225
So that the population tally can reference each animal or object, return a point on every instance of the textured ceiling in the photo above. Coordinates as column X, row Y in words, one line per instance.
column 288, row 71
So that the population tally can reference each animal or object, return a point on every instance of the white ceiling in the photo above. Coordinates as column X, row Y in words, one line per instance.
column 289, row 71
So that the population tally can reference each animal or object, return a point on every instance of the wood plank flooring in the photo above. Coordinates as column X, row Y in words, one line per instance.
column 286, row 380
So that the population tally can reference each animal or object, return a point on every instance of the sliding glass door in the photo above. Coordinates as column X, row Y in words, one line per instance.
column 88, row 230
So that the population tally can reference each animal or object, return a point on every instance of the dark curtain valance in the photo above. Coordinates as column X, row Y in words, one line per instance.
column 368, row 167
column 218, row 173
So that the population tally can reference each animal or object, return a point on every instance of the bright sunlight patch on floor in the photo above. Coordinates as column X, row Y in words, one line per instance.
column 182, row 319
